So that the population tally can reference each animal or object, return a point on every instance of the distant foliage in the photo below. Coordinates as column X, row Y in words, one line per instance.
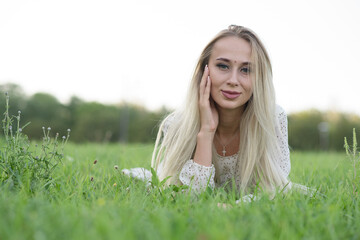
column 315, row 130
column 90, row 121
column 96, row 122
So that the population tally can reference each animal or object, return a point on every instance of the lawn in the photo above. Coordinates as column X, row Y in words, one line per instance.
column 95, row 201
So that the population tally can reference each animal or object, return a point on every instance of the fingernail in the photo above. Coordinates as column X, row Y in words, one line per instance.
column 206, row 66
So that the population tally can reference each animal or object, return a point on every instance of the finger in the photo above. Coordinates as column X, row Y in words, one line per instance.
column 212, row 103
column 204, row 80
column 213, row 106
column 207, row 88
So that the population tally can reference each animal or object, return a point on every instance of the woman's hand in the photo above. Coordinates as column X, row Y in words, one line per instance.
column 209, row 117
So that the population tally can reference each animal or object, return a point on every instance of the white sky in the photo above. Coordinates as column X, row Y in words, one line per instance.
column 145, row 51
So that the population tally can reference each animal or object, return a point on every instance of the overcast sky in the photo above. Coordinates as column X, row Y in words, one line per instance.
column 145, row 51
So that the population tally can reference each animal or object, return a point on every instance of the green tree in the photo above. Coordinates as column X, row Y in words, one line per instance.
column 44, row 110
column 303, row 130
column 341, row 125
column 17, row 98
column 96, row 122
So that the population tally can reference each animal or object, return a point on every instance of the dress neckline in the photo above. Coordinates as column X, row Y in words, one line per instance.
column 226, row 157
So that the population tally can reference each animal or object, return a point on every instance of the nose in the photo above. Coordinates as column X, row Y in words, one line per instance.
column 233, row 79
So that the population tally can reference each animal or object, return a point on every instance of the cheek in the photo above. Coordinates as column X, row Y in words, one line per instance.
column 215, row 82
column 247, row 84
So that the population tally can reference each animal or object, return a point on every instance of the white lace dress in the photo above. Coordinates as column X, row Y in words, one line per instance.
column 200, row 176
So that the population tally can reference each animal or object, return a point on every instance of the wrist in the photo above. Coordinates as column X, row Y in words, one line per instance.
column 205, row 135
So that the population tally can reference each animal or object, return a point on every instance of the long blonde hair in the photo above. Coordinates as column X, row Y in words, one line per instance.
column 258, row 150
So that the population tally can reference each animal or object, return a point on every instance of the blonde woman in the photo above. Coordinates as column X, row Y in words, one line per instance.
column 229, row 129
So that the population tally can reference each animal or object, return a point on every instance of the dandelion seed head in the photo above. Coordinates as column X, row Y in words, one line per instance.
column 116, row 167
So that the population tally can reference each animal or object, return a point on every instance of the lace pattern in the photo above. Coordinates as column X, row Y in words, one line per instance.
column 226, row 165
column 197, row 176
column 282, row 137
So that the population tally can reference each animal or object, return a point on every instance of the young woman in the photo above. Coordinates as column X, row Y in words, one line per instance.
column 229, row 129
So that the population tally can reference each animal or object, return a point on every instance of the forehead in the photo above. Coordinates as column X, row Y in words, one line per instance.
column 232, row 48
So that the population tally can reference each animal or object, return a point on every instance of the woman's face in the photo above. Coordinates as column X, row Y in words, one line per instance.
column 230, row 70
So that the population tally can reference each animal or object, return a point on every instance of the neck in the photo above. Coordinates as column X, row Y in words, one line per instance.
column 229, row 121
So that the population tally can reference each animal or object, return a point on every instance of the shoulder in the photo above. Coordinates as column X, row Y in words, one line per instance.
column 279, row 110
column 280, row 114
column 282, row 121
column 168, row 122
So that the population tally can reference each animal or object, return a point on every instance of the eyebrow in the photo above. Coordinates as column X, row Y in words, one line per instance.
column 227, row 60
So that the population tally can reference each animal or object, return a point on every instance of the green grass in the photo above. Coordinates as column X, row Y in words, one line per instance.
column 75, row 207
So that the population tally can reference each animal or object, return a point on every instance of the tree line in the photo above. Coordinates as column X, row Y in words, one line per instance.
column 88, row 121
column 126, row 122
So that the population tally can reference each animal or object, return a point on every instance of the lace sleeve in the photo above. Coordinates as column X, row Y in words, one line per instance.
column 192, row 174
column 167, row 122
column 197, row 176
column 282, row 137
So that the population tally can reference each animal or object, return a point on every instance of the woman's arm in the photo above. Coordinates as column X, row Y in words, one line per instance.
column 209, row 120
column 200, row 171
column 282, row 137
column 197, row 176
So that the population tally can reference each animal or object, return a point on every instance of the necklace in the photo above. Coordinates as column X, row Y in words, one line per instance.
column 224, row 145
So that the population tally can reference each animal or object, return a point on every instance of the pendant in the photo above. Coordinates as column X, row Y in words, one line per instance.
column 224, row 151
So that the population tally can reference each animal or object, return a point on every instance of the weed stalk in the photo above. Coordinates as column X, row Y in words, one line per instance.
column 354, row 156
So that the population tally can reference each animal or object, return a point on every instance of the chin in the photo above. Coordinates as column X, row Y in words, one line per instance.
column 230, row 105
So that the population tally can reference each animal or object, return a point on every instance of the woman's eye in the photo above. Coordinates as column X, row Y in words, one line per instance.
column 222, row 66
column 245, row 70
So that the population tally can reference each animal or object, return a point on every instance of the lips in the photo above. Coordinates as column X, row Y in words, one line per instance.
column 231, row 94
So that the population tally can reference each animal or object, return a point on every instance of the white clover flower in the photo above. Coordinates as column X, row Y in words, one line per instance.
column 69, row 130
column 20, row 129
column 116, row 167
column 49, row 128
